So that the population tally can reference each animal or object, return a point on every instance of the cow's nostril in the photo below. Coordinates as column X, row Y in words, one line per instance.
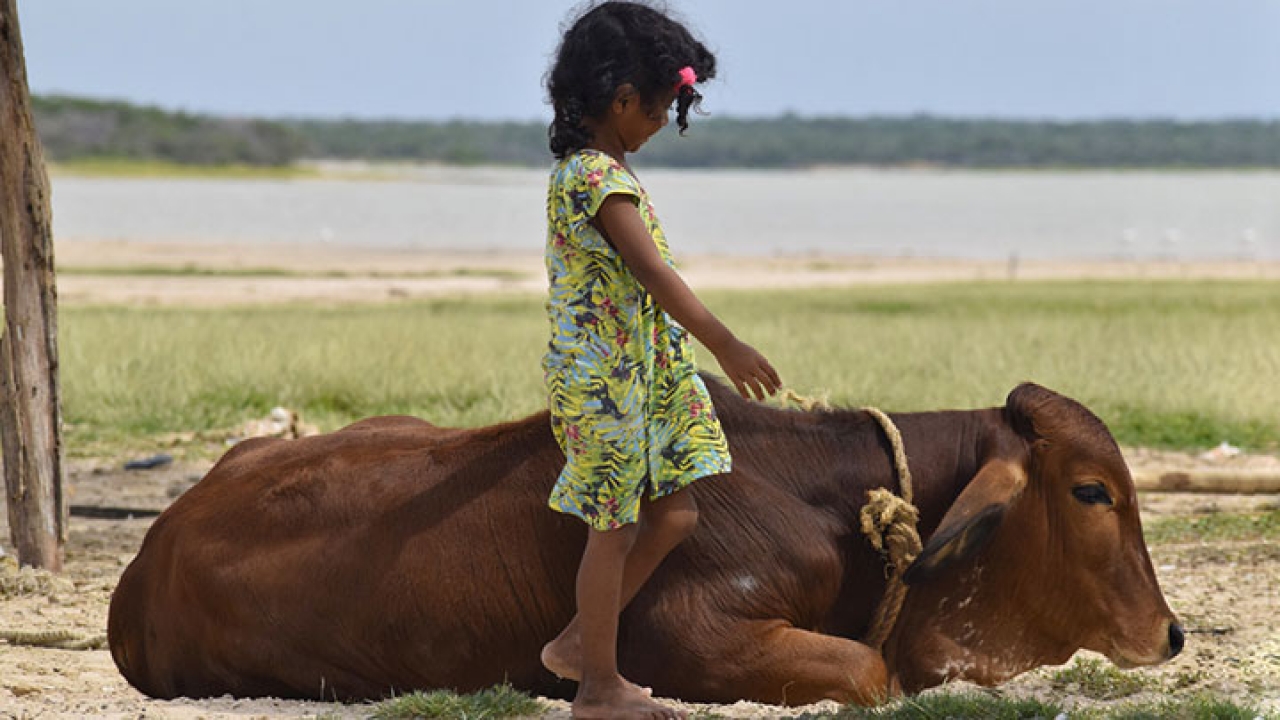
column 1176, row 639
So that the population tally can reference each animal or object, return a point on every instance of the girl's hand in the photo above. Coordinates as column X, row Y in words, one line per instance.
column 748, row 369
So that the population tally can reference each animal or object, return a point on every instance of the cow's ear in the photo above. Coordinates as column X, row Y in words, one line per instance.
column 972, row 519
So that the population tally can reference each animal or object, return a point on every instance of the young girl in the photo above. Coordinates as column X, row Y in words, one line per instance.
column 627, row 406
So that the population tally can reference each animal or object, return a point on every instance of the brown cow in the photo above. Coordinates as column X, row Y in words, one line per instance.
column 394, row 555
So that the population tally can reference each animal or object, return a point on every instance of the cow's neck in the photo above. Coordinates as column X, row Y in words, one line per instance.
column 943, row 451
column 972, row 623
column 977, row 630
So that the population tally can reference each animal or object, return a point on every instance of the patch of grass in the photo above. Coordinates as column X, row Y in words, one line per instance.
column 1165, row 364
column 1098, row 680
column 1198, row 707
column 188, row 270
column 459, row 272
column 1218, row 527
column 192, row 270
column 994, row 706
column 935, row 706
column 1144, row 356
column 139, row 372
column 500, row 701
column 133, row 168
column 1190, row 428
column 1185, row 679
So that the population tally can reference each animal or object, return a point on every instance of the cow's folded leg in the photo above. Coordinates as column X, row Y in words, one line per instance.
column 798, row 667
column 769, row 661
column 789, row 666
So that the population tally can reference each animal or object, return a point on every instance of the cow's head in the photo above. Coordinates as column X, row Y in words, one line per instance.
column 1040, row 555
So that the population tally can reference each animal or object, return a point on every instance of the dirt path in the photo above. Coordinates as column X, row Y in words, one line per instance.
column 1226, row 594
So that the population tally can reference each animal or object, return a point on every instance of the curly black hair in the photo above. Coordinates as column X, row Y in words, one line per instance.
column 611, row 44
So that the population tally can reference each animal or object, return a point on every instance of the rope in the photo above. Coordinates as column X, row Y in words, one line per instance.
column 59, row 639
column 804, row 402
column 888, row 521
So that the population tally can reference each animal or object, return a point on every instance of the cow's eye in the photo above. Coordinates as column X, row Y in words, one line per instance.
column 1092, row 494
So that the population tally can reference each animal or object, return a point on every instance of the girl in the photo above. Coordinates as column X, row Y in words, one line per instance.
column 627, row 406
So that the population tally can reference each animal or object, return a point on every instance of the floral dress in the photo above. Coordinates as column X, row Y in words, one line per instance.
column 627, row 405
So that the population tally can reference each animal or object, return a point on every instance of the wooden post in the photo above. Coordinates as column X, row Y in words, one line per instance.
column 30, row 407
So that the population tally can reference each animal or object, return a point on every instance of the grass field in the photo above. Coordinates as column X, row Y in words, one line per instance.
column 132, row 168
column 1166, row 364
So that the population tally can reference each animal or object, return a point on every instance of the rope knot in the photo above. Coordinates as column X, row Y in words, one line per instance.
column 889, row 522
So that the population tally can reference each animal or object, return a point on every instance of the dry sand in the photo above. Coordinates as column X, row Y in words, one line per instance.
column 237, row 274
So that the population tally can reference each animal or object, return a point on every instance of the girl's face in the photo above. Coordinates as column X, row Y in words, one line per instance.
column 637, row 121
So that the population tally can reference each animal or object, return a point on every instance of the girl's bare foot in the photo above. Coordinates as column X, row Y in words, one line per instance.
column 618, row 699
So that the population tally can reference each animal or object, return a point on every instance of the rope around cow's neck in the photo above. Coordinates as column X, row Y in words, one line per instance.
column 888, row 521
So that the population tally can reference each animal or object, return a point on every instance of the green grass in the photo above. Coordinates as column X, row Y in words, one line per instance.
column 1098, row 680
column 193, row 270
column 501, row 701
column 133, row 168
column 936, row 706
column 1198, row 707
column 1218, row 527
column 1165, row 364
column 1180, row 365
column 995, row 706
column 186, row 270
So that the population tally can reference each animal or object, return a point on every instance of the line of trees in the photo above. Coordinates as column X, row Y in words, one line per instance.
column 76, row 128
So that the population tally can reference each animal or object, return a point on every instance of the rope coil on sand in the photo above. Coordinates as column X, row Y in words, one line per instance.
column 888, row 521
column 58, row 639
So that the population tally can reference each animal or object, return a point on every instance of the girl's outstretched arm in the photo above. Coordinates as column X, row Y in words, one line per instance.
column 622, row 225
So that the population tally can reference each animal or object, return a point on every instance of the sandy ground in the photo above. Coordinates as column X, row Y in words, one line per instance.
column 235, row 274
column 1226, row 593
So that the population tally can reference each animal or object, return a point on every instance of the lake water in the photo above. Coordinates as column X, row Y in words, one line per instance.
column 922, row 213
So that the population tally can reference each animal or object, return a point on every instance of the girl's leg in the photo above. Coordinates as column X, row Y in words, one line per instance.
column 664, row 524
column 603, row 693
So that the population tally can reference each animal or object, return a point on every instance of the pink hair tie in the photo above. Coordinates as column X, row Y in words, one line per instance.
column 687, row 77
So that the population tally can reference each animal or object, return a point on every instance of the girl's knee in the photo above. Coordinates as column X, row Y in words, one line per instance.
column 681, row 524
column 675, row 520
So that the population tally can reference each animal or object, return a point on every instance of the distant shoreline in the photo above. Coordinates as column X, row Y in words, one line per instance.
column 73, row 128
column 376, row 170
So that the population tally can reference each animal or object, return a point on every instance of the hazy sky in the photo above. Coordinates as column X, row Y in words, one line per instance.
column 1185, row 59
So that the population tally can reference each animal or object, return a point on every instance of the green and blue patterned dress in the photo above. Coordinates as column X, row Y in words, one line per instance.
column 627, row 405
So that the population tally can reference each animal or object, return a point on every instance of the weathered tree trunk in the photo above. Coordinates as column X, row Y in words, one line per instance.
column 30, row 408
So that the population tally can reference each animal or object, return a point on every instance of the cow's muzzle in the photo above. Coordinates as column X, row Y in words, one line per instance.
column 1167, row 640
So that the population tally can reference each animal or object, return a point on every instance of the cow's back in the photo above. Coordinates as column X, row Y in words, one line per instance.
column 340, row 544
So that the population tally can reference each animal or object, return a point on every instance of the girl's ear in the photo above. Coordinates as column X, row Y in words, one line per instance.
column 626, row 93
